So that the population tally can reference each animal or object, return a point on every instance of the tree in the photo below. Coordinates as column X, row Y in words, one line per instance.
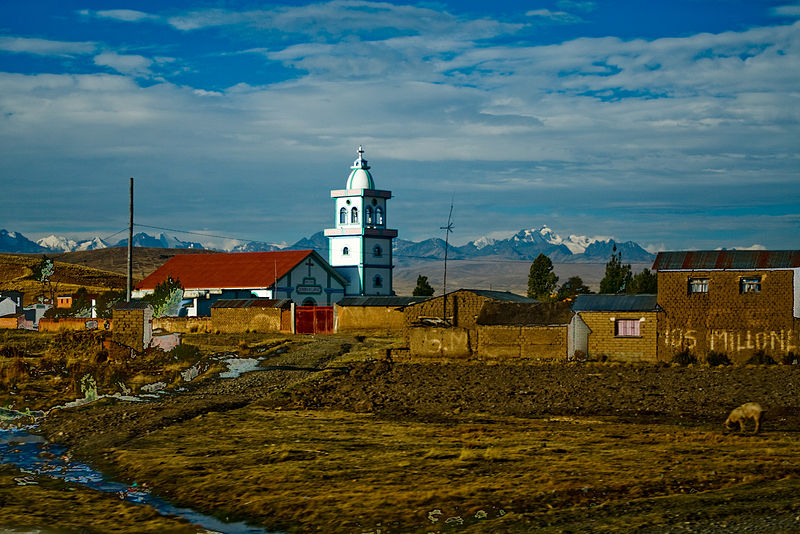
column 166, row 297
column 618, row 276
column 644, row 282
column 423, row 289
column 541, row 279
column 43, row 273
column 573, row 287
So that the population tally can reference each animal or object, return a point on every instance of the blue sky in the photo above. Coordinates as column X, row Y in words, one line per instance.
column 675, row 124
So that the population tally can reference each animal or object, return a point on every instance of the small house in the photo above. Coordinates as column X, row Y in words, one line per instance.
column 618, row 327
column 372, row 314
column 252, row 315
column 521, row 330
column 133, row 324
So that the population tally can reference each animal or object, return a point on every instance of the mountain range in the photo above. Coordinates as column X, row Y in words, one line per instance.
column 524, row 245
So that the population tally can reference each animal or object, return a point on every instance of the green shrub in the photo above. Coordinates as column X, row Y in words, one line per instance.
column 684, row 357
column 714, row 358
column 760, row 358
column 185, row 352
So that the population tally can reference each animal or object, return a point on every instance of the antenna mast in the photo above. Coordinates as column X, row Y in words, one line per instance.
column 447, row 229
column 130, row 250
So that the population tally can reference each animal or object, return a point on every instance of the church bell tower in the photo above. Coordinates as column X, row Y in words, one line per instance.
column 360, row 247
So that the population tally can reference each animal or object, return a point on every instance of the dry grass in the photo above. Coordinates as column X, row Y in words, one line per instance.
column 341, row 471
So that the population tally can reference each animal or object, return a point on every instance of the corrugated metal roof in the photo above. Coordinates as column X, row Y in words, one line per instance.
column 388, row 301
column 726, row 259
column 503, row 296
column 618, row 303
column 132, row 305
column 235, row 270
column 251, row 303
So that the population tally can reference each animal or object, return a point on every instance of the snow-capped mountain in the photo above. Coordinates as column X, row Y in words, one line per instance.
column 162, row 241
column 16, row 242
column 64, row 244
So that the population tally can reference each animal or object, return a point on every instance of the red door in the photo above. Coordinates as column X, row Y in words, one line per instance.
column 313, row 319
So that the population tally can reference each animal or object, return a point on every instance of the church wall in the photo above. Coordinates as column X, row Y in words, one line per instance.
column 335, row 255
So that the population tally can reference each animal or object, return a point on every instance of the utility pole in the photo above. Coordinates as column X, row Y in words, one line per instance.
column 448, row 229
column 130, row 249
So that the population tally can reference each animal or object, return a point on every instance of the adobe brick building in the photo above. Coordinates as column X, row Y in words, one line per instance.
column 133, row 324
column 619, row 327
column 735, row 301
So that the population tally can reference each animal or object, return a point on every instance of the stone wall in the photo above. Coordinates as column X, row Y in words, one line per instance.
column 603, row 340
column 725, row 320
column 522, row 342
column 463, row 308
column 184, row 325
column 447, row 342
column 74, row 323
column 369, row 319
column 255, row 319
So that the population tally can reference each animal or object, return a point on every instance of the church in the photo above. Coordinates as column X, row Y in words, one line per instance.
column 360, row 247
column 359, row 259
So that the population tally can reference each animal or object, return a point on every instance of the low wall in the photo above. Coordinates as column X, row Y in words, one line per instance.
column 74, row 323
column 9, row 322
column 369, row 318
column 237, row 320
column 453, row 342
column 526, row 342
column 184, row 325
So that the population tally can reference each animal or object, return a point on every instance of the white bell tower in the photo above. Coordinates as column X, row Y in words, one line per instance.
column 360, row 247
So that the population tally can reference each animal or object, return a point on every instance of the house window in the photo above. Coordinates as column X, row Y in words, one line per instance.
column 627, row 328
column 378, row 281
column 368, row 215
column 345, row 251
column 750, row 285
column 378, row 215
column 698, row 285
column 377, row 251
column 343, row 215
column 354, row 215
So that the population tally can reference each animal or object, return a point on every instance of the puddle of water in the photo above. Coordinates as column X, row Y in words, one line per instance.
column 33, row 455
column 237, row 366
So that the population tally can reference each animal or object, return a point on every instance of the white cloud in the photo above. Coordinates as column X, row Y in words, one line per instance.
column 125, row 63
column 559, row 17
column 45, row 47
column 123, row 15
column 791, row 10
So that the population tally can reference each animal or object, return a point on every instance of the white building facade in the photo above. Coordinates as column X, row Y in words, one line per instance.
column 360, row 247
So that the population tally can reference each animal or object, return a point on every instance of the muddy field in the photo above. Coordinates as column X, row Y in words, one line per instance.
column 333, row 438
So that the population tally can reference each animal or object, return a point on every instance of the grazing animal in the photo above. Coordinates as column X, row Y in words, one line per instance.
column 749, row 410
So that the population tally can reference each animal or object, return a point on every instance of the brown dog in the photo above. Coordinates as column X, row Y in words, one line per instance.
column 749, row 410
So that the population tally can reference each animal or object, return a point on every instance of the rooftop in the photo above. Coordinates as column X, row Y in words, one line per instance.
column 726, row 259
column 615, row 303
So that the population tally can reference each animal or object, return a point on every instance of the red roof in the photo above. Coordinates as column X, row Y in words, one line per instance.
column 235, row 270
column 700, row 260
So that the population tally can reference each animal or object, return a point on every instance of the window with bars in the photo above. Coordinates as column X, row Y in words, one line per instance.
column 627, row 328
column 750, row 284
column 698, row 285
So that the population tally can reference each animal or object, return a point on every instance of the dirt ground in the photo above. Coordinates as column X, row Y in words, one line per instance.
column 333, row 438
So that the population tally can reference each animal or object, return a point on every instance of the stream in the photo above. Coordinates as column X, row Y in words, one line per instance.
column 34, row 456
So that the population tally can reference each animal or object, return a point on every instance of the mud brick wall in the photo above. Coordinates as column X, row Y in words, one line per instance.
column 603, row 340
column 523, row 342
column 725, row 320
column 72, row 323
column 237, row 320
column 369, row 319
column 133, row 328
column 450, row 342
column 184, row 325
column 463, row 308
column 9, row 322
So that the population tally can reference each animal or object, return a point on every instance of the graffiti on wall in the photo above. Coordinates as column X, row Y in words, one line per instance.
column 733, row 341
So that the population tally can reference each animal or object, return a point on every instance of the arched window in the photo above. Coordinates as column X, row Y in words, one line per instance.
column 368, row 215
column 354, row 215
column 345, row 251
column 377, row 251
column 343, row 215
column 378, row 215
column 378, row 281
